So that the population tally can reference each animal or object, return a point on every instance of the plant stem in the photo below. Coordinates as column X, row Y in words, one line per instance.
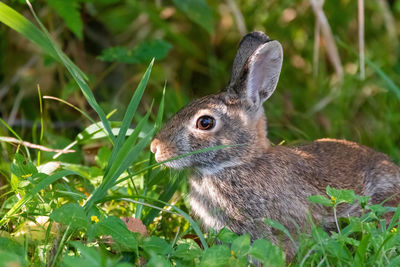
column 336, row 221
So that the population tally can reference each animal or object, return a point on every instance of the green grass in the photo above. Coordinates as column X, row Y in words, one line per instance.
column 66, row 209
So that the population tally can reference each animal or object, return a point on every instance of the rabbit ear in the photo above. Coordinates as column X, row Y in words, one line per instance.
column 246, row 48
column 263, row 70
column 259, row 75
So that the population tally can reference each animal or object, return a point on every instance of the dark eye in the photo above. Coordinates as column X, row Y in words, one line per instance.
column 205, row 123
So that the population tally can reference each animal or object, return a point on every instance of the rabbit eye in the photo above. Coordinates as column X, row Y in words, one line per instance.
column 205, row 123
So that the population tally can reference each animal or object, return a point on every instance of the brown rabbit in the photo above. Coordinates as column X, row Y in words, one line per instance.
column 239, row 186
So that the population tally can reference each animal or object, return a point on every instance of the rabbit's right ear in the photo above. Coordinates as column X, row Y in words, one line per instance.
column 259, row 75
column 247, row 46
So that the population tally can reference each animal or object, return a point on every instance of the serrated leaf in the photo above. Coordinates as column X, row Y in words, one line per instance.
column 226, row 235
column 156, row 245
column 23, row 168
column 158, row 261
column 90, row 254
column 341, row 195
column 116, row 228
column 143, row 53
column 187, row 252
column 278, row 226
column 71, row 214
column 241, row 245
column 269, row 254
column 69, row 11
column 317, row 199
column 198, row 11
column 217, row 255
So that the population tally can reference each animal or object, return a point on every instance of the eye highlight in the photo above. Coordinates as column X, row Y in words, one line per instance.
column 205, row 123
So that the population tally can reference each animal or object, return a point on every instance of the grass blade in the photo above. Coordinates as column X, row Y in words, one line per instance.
column 160, row 113
column 130, row 112
column 125, row 156
column 20, row 24
column 165, row 197
column 195, row 226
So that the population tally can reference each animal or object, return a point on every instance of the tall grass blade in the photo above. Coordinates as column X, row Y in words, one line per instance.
column 390, row 83
column 130, row 112
column 20, row 24
column 160, row 113
column 125, row 156
column 42, row 38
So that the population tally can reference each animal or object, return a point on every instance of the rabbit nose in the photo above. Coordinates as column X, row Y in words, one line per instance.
column 154, row 146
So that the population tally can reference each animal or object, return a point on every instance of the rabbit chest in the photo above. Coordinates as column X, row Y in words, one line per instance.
column 241, row 202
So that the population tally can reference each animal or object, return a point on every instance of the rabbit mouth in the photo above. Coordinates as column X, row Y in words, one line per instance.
column 163, row 154
column 178, row 164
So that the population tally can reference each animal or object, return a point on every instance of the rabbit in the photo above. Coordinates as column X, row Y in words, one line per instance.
column 248, row 180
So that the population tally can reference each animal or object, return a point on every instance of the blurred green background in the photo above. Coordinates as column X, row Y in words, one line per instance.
column 194, row 43
column 321, row 93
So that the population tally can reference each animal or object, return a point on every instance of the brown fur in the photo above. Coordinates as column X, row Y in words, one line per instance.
column 241, row 185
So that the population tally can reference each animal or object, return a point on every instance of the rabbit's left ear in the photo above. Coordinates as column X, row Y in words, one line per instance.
column 263, row 70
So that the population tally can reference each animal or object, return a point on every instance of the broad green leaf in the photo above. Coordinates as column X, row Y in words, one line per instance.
column 361, row 252
column 90, row 255
column 24, row 171
column 241, row 245
column 395, row 262
column 341, row 195
column 10, row 259
column 22, row 167
column 269, row 254
column 280, row 227
column 338, row 251
column 70, row 12
column 116, row 228
column 217, row 255
column 11, row 246
column 188, row 251
column 198, row 11
column 158, row 261
column 345, row 239
column 317, row 199
column 144, row 52
column 156, row 245
column 226, row 235
column 71, row 214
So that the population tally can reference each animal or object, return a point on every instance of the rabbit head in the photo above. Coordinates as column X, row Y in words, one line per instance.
column 234, row 117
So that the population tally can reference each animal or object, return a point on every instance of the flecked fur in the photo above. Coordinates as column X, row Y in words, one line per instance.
column 239, row 186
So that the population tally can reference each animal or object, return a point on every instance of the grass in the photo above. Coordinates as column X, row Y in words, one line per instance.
column 67, row 209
